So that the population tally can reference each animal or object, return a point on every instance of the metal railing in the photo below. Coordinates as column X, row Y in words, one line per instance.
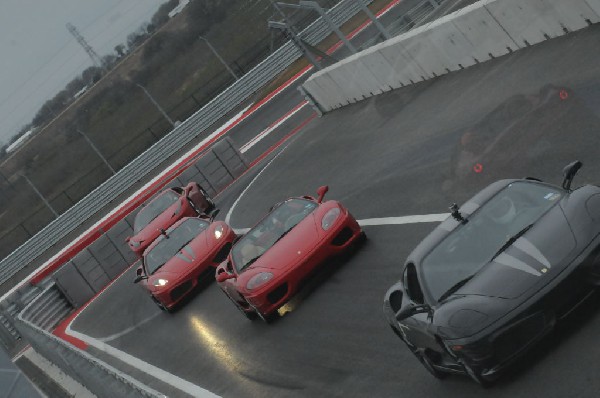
column 144, row 164
column 99, row 377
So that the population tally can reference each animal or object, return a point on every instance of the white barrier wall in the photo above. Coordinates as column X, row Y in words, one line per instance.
column 477, row 33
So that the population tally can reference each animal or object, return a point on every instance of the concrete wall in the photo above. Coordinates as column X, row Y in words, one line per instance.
column 97, row 376
column 477, row 33
column 12, row 381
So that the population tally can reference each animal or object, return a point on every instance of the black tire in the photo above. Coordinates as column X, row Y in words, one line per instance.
column 476, row 376
column 266, row 318
column 161, row 305
column 250, row 315
column 428, row 364
column 362, row 238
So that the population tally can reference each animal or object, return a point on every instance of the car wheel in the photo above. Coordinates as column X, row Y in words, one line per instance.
column 428, row 364
column 265, row 318
column 475, row 376
column 248, row 314
column 161, row 305
column 363, row 237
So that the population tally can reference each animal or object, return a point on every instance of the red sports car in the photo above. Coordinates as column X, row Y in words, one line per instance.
column 182, row 256
column 164, row 210
column 267, row 265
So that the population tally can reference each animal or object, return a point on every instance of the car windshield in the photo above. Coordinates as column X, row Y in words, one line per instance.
column 171, row 244
column 153, row 210
column 472, row 245
column 271, row 229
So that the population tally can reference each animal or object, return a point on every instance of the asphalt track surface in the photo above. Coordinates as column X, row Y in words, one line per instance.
column 408, row 152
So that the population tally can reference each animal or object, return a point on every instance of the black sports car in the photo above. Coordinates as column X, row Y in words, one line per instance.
column 494, row 278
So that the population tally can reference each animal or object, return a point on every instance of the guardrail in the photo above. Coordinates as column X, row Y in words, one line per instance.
column 477, row 33
column 97, row 376
column 92, row 268
column 169, row 145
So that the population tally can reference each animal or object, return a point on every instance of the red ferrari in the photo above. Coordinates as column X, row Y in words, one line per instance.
column 267, row 265
column 164, row 210
column 182, row 256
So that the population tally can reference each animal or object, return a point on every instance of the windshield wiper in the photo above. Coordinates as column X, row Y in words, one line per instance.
column 511, row 240
column 455, row 287
column 251, row 261
column 282, row 235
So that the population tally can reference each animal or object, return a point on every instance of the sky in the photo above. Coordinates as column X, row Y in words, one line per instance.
column 38, row 55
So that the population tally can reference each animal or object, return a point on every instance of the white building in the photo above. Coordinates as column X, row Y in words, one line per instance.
column 180, row 6
column 19, row 141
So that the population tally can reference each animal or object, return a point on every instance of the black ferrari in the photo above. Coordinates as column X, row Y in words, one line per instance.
column 496, row 276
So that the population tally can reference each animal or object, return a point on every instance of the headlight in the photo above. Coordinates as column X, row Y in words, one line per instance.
column 219, row 232
column 135, row 243
column 160, row 282
column 330, row 218
column 259, row 280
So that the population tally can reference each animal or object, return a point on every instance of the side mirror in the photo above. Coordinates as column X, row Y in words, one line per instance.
column 321, row 193
column 127, row 239
column 412, row 309
column 569, row 173
column 223, row 276
column 139, row 275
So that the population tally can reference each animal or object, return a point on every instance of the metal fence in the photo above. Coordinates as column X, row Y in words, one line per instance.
column 144, row 164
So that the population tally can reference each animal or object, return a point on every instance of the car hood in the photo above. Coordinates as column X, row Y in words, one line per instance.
column 292, row 248
column 190, row 256
column 530, row 263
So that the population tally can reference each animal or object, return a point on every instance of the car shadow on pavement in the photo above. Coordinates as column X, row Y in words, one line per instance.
column 320, row 276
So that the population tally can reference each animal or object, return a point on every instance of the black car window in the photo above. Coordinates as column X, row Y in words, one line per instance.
column 170, row 245
column 413, row 289
column 472, row 245
column 269, row 230
column 153, row 210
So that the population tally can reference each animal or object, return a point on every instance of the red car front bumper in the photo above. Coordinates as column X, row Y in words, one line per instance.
column 281, row 288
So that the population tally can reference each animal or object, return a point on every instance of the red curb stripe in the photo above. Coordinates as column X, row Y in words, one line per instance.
column 281, row 141
column 61, row 329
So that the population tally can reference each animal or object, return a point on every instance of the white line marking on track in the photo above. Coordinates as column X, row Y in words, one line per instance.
column 270, row 129
column 228, row 216
column 403, row 220
column 129, row 329
column 374, row 222
column 162, row 375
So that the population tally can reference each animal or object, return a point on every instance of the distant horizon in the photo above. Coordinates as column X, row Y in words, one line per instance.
column 41, row 57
